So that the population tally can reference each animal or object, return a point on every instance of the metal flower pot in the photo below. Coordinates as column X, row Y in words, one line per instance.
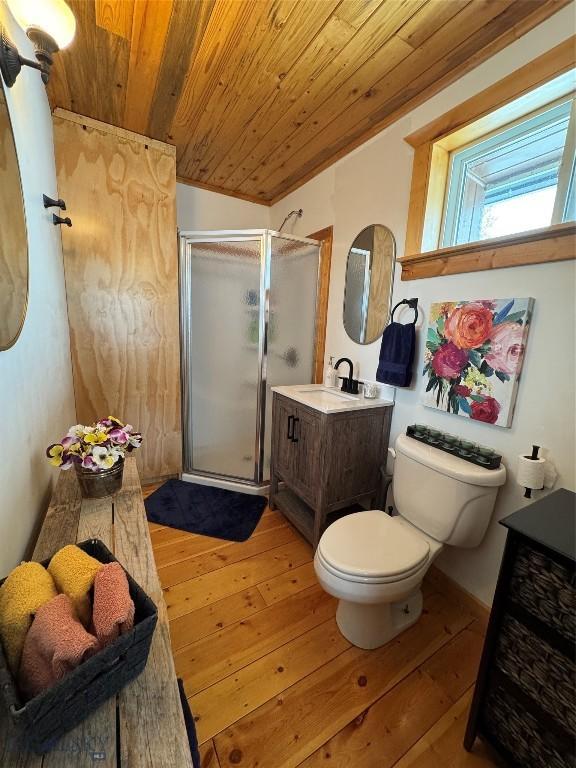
column 105, row 482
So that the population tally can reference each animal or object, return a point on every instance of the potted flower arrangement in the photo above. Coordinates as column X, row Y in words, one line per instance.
column 97, row 453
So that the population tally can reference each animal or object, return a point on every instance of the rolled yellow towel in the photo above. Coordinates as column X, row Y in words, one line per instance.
column 27, row 588
column 73, row 571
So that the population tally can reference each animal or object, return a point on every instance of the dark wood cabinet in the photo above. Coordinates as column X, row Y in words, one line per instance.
column 326, row 461
column 524, row 703
column 283, row 447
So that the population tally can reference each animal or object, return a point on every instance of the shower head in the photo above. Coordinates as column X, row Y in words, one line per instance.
column 298, row 213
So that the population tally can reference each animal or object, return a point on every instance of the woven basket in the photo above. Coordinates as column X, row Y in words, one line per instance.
column 521, row 735
column 545, row 589
column 43, row 720
column 545, row 674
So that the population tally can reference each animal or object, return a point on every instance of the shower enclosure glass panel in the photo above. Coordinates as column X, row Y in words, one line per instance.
column 224, row 284
column 248, row 319
column 292, row 320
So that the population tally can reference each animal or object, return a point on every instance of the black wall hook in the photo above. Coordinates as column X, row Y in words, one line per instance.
column 49, row 202
column 59, row 220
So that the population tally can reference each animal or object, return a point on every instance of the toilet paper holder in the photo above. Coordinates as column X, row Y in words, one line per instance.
column 532, row 476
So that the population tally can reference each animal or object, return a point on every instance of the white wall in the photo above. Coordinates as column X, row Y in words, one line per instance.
column 199, row 209
column 36, row 395
column 372, row 185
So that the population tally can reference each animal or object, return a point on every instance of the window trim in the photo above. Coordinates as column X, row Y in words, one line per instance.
column 453, row 203
column 501, row 103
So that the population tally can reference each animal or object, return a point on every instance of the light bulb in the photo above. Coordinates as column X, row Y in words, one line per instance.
column 52, row 17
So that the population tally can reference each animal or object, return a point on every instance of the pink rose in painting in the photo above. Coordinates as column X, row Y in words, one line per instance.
column 461, row 390
column 487, row 410
column 506, row 348
column 449, row 361
column 469, row 326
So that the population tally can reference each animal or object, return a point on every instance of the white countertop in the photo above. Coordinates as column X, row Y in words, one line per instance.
column 329, row 399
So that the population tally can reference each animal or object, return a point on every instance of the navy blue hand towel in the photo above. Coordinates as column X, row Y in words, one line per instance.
column 397, row 355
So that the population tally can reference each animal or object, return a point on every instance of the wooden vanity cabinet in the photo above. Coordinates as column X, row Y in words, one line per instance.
column 326, row 461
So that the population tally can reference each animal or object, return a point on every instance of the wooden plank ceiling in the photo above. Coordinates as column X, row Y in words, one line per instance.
column 260, row 95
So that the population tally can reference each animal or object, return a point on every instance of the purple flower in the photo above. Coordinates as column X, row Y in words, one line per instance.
column 118, row 436
column 449, row 361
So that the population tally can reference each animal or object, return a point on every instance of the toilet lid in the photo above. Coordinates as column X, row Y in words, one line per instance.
column 372, row 545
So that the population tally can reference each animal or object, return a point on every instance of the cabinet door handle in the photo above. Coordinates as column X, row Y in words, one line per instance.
column 290, row 434
column 294, row 438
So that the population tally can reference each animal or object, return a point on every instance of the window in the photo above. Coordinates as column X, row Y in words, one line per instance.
column 494, row 179
column 509, row 182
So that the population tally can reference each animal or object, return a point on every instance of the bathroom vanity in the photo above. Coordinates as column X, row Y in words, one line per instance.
column 327, row 451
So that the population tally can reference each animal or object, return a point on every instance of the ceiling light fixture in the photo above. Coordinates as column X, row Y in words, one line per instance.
column 50, row 25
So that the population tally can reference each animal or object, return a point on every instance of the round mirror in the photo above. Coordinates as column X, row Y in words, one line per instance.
column 368, row 290
column 13, row 238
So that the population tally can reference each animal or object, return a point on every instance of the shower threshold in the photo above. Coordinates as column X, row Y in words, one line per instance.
column 227, row 483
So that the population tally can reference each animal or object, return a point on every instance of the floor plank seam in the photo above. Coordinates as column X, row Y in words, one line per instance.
column 249, row 618
column 216, row 548
column 275, row 650
column 241, row 588
column 225, row 565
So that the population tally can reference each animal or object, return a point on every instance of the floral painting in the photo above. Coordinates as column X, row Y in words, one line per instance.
column 474, row 354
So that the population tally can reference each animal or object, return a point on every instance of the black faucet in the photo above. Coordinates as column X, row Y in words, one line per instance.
column 350, row 384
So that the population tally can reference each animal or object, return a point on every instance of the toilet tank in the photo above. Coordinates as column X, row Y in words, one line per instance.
column 449, row 499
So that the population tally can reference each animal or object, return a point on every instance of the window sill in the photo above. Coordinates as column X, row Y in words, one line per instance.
column 555, row 243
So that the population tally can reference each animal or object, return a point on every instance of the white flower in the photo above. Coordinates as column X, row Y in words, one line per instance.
column 103, row 457
column 76, row 431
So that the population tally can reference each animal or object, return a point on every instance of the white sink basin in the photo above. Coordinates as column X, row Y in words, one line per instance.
column 325, row 395
column 328, row 400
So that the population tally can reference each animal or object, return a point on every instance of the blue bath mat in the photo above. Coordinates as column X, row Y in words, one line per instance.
column 202, row 509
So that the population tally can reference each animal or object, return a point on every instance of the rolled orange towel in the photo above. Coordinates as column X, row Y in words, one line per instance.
column 26, row 588
column 55, row 645
column 113, row 609
column 73, row 571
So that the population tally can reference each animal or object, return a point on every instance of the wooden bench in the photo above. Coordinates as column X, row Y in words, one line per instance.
column 143, row 727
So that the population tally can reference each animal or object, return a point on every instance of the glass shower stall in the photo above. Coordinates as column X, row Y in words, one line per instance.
column 248, row 322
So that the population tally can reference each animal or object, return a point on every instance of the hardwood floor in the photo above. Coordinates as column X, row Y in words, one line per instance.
column 273, row 684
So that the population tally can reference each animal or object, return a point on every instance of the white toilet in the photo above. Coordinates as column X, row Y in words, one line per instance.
column 375, row 563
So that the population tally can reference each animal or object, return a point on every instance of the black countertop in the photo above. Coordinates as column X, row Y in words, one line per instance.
column 550, row 521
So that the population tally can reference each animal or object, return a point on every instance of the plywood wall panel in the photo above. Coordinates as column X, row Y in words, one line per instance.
column 121, row 267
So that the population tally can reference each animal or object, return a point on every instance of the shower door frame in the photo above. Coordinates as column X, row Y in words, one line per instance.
column 265, row 236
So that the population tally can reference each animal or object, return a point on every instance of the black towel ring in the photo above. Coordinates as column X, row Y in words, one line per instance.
column 412, row 303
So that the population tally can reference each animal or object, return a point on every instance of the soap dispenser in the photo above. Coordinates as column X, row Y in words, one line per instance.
column 330, row 374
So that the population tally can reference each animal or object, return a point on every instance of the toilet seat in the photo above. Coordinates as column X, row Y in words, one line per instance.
column 371, row 547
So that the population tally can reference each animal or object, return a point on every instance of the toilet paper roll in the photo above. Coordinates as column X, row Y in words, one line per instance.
column 531, row 472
